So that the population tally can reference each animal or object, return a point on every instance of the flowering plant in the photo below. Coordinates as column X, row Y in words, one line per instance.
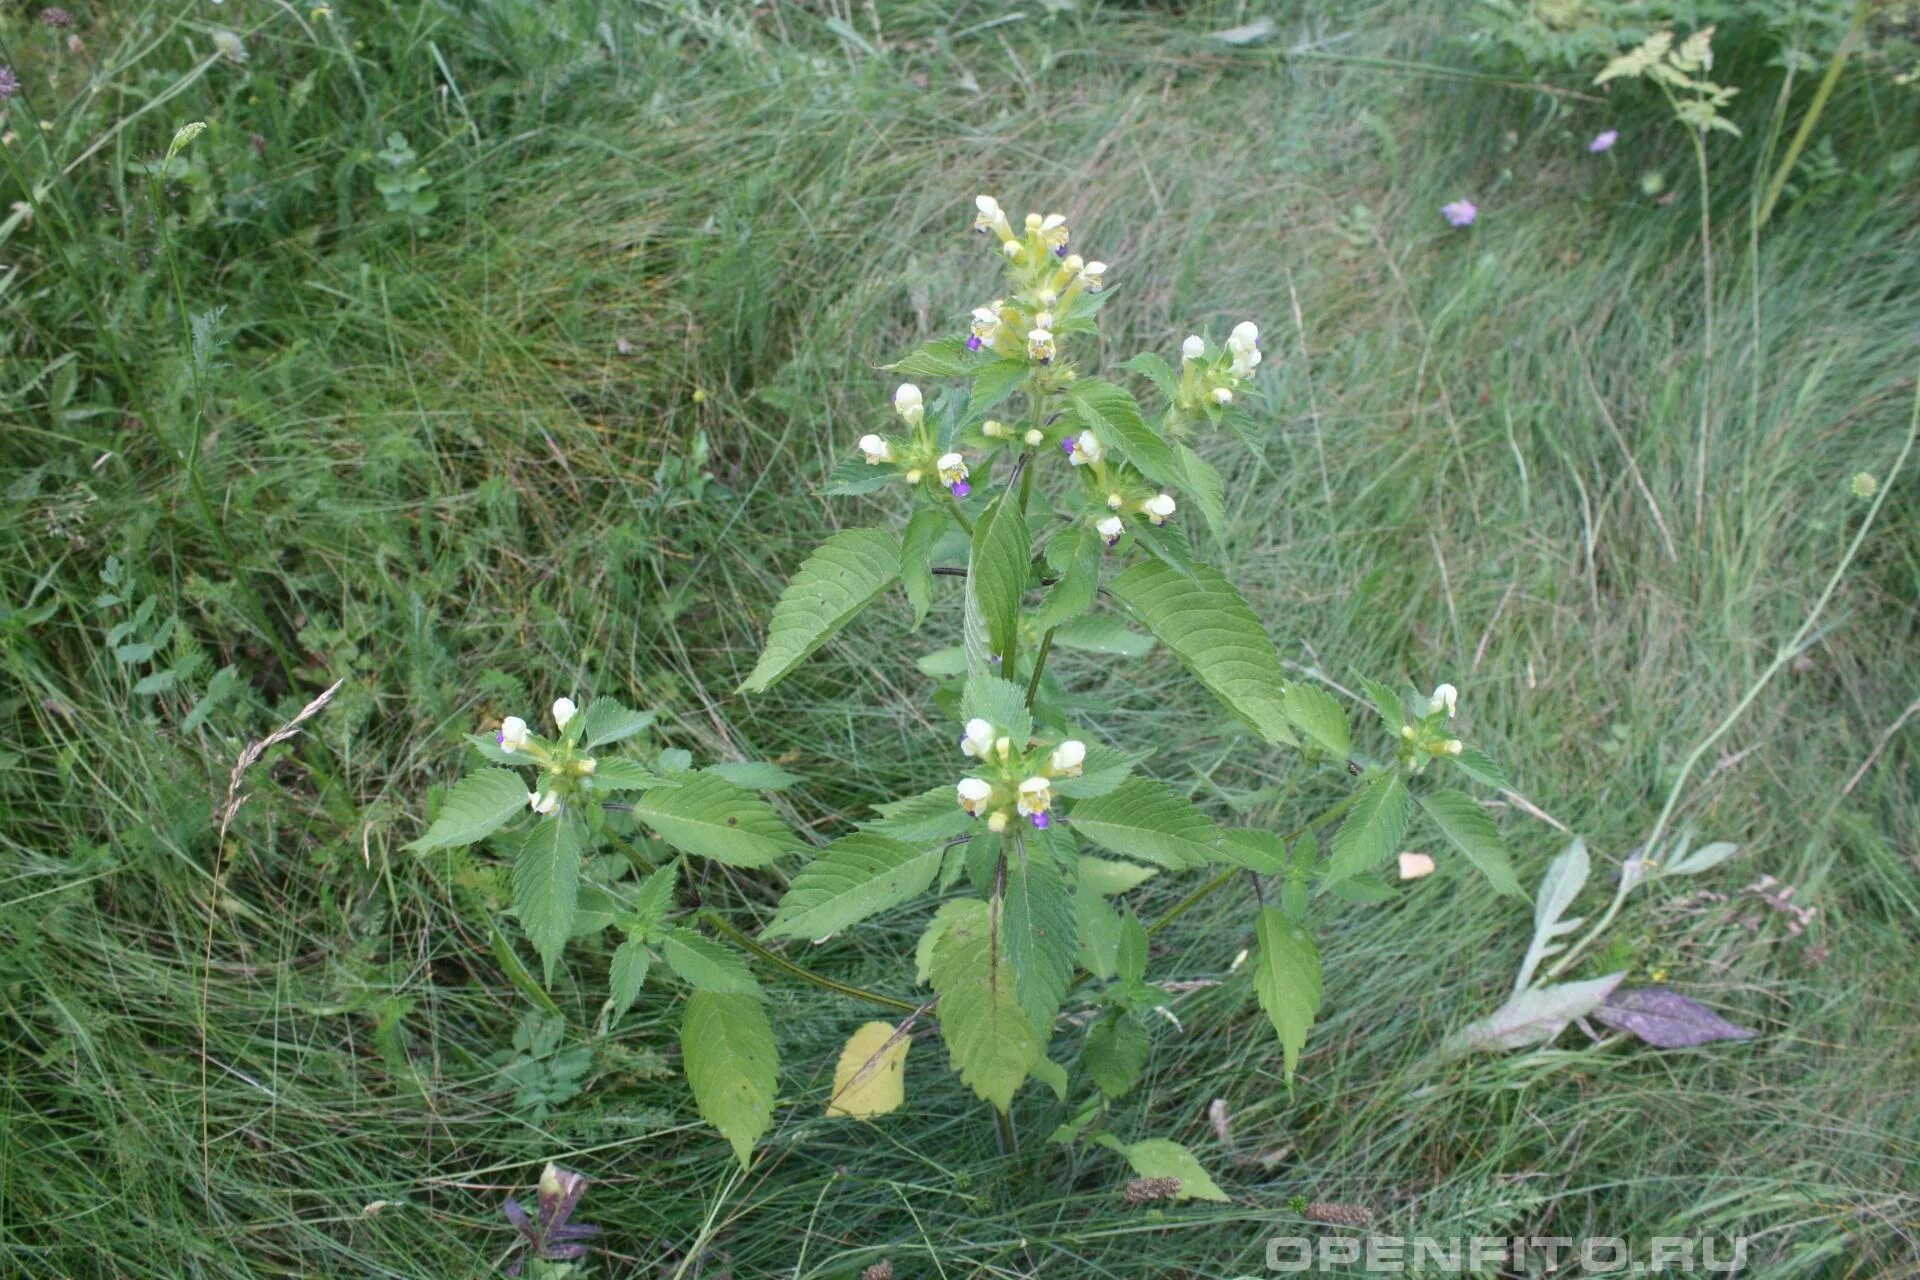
column 1068, row 528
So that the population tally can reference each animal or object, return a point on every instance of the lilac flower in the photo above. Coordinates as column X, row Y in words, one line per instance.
column 1603, row 141
column 1460, row 213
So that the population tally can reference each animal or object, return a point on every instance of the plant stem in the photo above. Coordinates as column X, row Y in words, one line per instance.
column 1814, row 109
column 1039, row 666
column 958, row 514
column 1706, row 344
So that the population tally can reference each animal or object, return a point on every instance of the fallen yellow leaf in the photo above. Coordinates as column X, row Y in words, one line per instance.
column 871, row 1078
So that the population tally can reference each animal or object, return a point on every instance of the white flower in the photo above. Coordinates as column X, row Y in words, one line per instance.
column 1040, row 345
column 1067, row 758
column 512, row 735
column 1053, row 232
column 1444, row 696
column 586, row 764
column 979, row 738
column 1036, row 795
column 990, row 217
column 953, row 472
column 1086, row 449
column 907, row 403
column 876, row 449
column 543, row 802
column 974, row 794
column 1244, row 342
column 1094, row 276
column 1158, row 508
column 1220, row 396
column 229, row 46
column 1110, row 528
column 1415, row 865
column 1194, row 348
column 563, row 710
column 1115, row 501
column 983, row 327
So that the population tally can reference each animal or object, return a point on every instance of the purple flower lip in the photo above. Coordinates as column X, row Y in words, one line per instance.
column 1048, row 360
column 960, row 488
column 500, row 737
column 973, row 343
column 1113, row 542
column 1041, row 821
column 1061, row 252
column 1068, row 444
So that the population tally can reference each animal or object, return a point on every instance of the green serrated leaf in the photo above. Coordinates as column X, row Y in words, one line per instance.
column 916, row 558
column 1319, row 716
column 708, row 965
column 1110, row 412
column 630, row 964
column 1039, row 920
column 1481, row 767
column 1002, row 704
column 1164, row 1158
column 1215, row 635
column 1115, row 1052
column 1472, row 832
column 854, row 877
column 951, row 910
column 1169, row 544
column 1096, row 929
column 1150, row 821
column 994, row 383
column 997, row 571
column 605, row 720
column 1103, row 633
column 754, row 775
column 1074, row 556
column 619, row 774
column 855, row 476
column 989, row 1038
column 654, row 898
column 1286, row 977
column 1372, row 830
column 941, row 358
column 709, row 817
column 1157, row 371
column 842, row 576
column 931, row 815
column 1261, row 852
column 732, row 1064
column 1204, row 486
column 1130, row 956
column 475, row 809
column 546, row 885
column 1386, row 702
column 1102, row 772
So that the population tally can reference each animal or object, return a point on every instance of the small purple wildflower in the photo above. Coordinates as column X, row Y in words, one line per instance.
column 1460, row 213
column 9, row 83
column 1041, row 821
column 1603, row 141
column 973, row 343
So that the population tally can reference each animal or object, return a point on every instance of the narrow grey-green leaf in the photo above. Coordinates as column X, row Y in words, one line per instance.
column 842, row 576
column 1371, row 833
column 1286, row 977
column 997, row 569
column 1215, row 636
column 546, row 885
column 475, row 809
column 854, row 877
column 711, row 818
column 732, row 1065
column 1472, row 832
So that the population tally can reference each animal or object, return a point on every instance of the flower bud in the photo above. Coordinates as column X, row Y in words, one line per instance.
column 543, row 802
column 974, row 794
column 512, row 735
column 907, row 403
column 994, row 429
column 1067, row 758
column 913, row 475
column 1415, row 865
column 876, row 450
column 1110, row 528
column 1194, row 348
column 1244, row 342
column 978, row 740
column 1003, row 746
column 953, row 474
column 585, row 765
column 1032, row 223
column 1221, row 396
column 1452, row 747
column 1444, row 696
column 997, row 821
column 1159, row 507
column 1034, row 436
column 1115, row 501
column 1073, row 262
column 1012, row 249
column 563, row 710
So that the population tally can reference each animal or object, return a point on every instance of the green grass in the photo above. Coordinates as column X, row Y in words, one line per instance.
column 449, row 463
